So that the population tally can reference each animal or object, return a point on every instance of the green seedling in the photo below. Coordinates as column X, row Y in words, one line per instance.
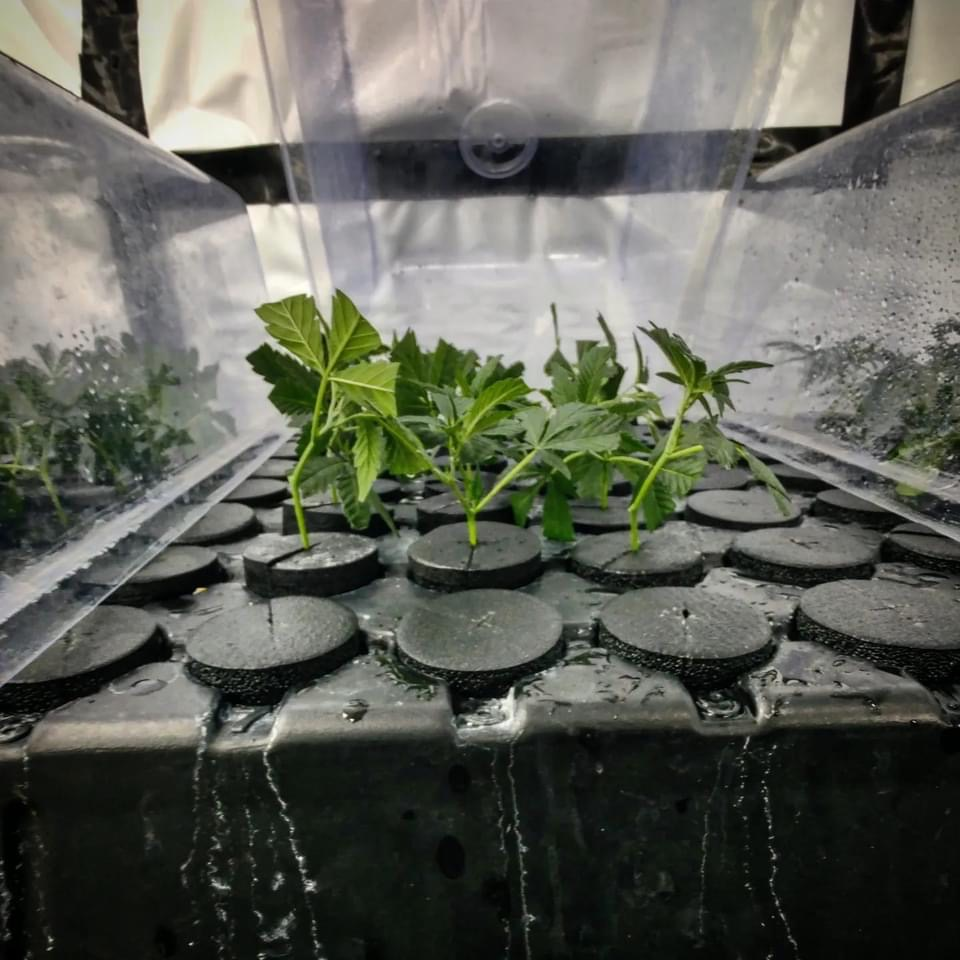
column 670, row 470
column 595, row 377
column 325, row 375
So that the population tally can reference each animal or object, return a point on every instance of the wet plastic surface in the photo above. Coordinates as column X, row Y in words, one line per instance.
column 597, row 808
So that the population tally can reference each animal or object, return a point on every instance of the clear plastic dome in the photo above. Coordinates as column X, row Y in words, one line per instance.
column 840, row 267
column 459, row 177
column 127, row 280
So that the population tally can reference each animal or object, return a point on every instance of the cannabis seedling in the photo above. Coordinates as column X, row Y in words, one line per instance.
column 326, row 377
column 595, row 378
column 678, row 460
column 500, row 419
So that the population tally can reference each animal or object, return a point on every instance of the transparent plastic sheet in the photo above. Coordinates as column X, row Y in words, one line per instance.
column 498, row 91
column 840, row 266
column 126, row 284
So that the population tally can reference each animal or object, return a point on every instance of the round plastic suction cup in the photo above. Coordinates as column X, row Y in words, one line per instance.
column 496, row 141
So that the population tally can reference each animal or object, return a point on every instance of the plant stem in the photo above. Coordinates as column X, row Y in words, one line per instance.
column 506, row 479
column 605, row 486
column 665, row 455
column 304, row 457
column 686, row 452
column 472, row 526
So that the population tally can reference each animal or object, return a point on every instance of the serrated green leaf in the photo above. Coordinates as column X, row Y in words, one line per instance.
column 557, row 519
column 592, row 372
column 319, row 474
column 768, row 478
column 611, row 340
column 522, row 502
column 634, row 472
column 580, row 427
column 533, row 420
column 405, row 455
column 371, row 385
column 591, row 477
column 679, row 476
column 564, row 385
column 413, row 362
column 583, row 346
column 489, row 407
column 643, row 372
column 484, row 375
column 293, row 322
column 352, row 336
column 377, row 506
column 657, row 505
column 611, row 386
column 368, row 453
column 676, row 351
column 356, row 510
column 293, row 399
column 717, row 447
column 740, row 366
column 442, row 370
column 443, row 400
column 276, row 367
column 555, row 462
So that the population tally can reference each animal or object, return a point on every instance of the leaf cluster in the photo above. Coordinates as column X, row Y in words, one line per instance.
column 363, row 417
column 112, row 412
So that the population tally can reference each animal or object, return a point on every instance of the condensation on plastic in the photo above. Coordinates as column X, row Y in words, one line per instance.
column 116, row 254
column 842, row 267
column 485, row 268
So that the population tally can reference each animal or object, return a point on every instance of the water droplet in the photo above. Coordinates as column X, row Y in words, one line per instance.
column 355, row 710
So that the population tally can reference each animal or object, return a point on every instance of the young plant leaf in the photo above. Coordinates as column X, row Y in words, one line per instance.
column 717, row 447
column 557, row 519
column 767, row 477
column 679, row 476
column 352, row 337
column 377, row 506
column 356, row 511
column 488, row 408
column 657, row 505
column 643, row 371
column 370, row 385
column 611, row 340
column 590, row 476
column 405, row 455
column 522, row 502
column 592, row 372
column 295, row 325
column 320, row 474
column 368, row 453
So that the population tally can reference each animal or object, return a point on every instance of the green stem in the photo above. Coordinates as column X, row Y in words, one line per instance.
column 506, row 479
column 304, row 457
column 686, row 452
column 665, row 455
column 472, row 526
column 605, row 486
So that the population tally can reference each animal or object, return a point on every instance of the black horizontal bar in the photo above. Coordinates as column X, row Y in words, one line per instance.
column 561, row 166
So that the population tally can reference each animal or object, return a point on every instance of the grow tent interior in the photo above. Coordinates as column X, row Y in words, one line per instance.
column 458, row 172
column 126, row 284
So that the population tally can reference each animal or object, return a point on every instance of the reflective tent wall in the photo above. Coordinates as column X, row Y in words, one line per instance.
column 465, row 165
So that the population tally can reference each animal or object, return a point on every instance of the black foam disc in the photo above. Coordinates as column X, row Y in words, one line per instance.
column 480, row 641
column 505, row 556
column 255, row 654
